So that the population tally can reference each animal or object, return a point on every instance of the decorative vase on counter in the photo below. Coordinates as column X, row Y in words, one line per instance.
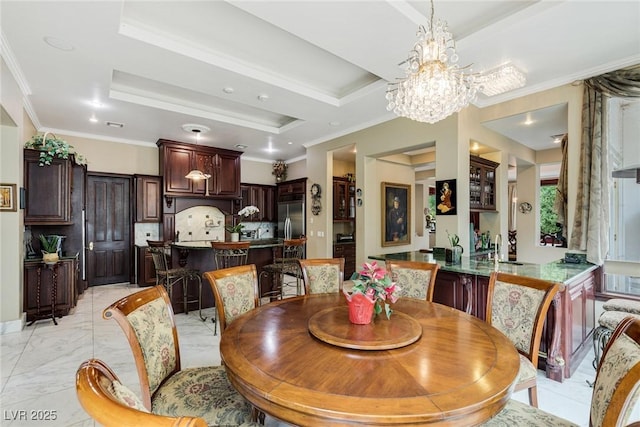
column 453, row 255
column 235, row 237
column 360, row 309
column 50, row 258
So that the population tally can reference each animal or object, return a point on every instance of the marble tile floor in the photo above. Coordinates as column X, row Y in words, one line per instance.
column 38, row 364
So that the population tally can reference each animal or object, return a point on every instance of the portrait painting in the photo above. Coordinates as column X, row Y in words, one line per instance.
column 8, row 197
column 446, row 197
column 396, row 214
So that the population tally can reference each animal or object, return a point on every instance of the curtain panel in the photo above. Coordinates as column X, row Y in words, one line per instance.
column 590, row 231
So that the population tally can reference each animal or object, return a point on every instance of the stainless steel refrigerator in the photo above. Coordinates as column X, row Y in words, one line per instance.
column 291, row 219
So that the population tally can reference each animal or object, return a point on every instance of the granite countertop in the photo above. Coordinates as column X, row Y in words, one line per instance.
column 556, row 271
column 206, row 244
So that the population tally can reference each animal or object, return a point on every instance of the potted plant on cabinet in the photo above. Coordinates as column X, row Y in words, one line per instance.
column 50, row 146
column 50, row 245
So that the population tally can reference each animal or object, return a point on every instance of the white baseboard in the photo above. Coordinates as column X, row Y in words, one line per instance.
column 13, row 325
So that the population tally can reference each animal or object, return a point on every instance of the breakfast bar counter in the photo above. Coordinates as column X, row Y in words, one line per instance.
column 556, row 271
column 199, row 255
column 569, row 326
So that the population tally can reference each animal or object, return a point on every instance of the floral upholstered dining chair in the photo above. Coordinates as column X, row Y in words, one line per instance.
column 322, row 275
column 147, row 319
column 615, row 392
column 517, row 306
column 112, row 404
column 415, row 279
column 235, row 290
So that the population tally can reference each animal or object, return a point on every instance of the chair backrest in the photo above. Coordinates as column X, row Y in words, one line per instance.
column 230, row 254
column 517, row 306
column 415, row 279
column 235, row 290
column 160, row 259
column 293, row 248
column 146, row 317
column 322, row 275
column 617, row 385
column 112, row 404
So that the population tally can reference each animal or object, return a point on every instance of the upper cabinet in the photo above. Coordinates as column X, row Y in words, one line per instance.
column 344, row 199
column 148, row 192
column 178, row 159
column 292, row 190
column 48, row 190
column 482, row 184
column 262, row 197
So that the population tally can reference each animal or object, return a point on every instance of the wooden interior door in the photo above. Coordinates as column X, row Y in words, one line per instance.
column 108, row 229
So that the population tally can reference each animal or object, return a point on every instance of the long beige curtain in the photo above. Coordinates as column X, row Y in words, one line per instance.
column 590, row 231
column 591, row 224
column 560, row 202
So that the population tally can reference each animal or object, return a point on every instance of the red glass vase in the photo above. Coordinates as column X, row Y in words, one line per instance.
column 360, row 309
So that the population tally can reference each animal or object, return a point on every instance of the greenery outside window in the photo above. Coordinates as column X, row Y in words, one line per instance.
column 550, row 230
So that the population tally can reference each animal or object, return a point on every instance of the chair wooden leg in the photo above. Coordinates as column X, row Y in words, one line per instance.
column 214, row 318
column 533, row 396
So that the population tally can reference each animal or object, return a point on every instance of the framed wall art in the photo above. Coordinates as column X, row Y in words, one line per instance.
column 8, row 198
column 396, row 214
column 446, row 197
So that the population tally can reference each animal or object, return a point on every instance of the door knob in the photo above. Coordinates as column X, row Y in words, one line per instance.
column 90, row 246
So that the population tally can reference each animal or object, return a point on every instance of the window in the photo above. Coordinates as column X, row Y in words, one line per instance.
column 550, row 231
column 624, row 139
column 624, row 155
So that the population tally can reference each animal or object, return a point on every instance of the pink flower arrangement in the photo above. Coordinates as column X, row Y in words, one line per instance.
column 375, row 284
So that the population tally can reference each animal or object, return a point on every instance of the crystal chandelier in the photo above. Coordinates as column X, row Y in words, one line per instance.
column 435, row 86
column 501, row 79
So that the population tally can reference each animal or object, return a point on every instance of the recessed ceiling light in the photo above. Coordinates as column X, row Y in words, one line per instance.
column 228, row 89
column 59, row 43
column 290, row 143
column 334, row 123
column 193, row 127
column 241, row 146
column 93, row 119
column 115, row 124
column 96, row 104
column 263, row 97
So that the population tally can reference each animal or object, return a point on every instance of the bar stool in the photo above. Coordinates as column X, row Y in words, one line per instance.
column 615, row 310
column 170, row 277
column 228, row 254
column 287, row 265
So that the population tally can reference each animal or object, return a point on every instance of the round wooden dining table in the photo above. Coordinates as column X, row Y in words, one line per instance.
column 300, row 360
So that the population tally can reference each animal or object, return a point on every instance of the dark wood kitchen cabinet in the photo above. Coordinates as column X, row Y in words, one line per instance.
column 178, row 159
column 148, row 190
column 344, row 199
column 261, row 196
column 292, row 190
column 482, row 184
column 35, row 271
column 146, row 271
column 347, row 251
column 47, row 190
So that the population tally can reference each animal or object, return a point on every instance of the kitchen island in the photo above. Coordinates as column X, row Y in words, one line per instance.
column 199, row 255
column 567, row 334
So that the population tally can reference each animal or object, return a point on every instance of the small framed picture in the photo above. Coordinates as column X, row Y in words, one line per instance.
column 8, row 197
column 446, row 197
column 396, row 214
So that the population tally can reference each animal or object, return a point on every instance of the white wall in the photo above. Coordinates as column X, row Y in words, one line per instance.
column 11, row 223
